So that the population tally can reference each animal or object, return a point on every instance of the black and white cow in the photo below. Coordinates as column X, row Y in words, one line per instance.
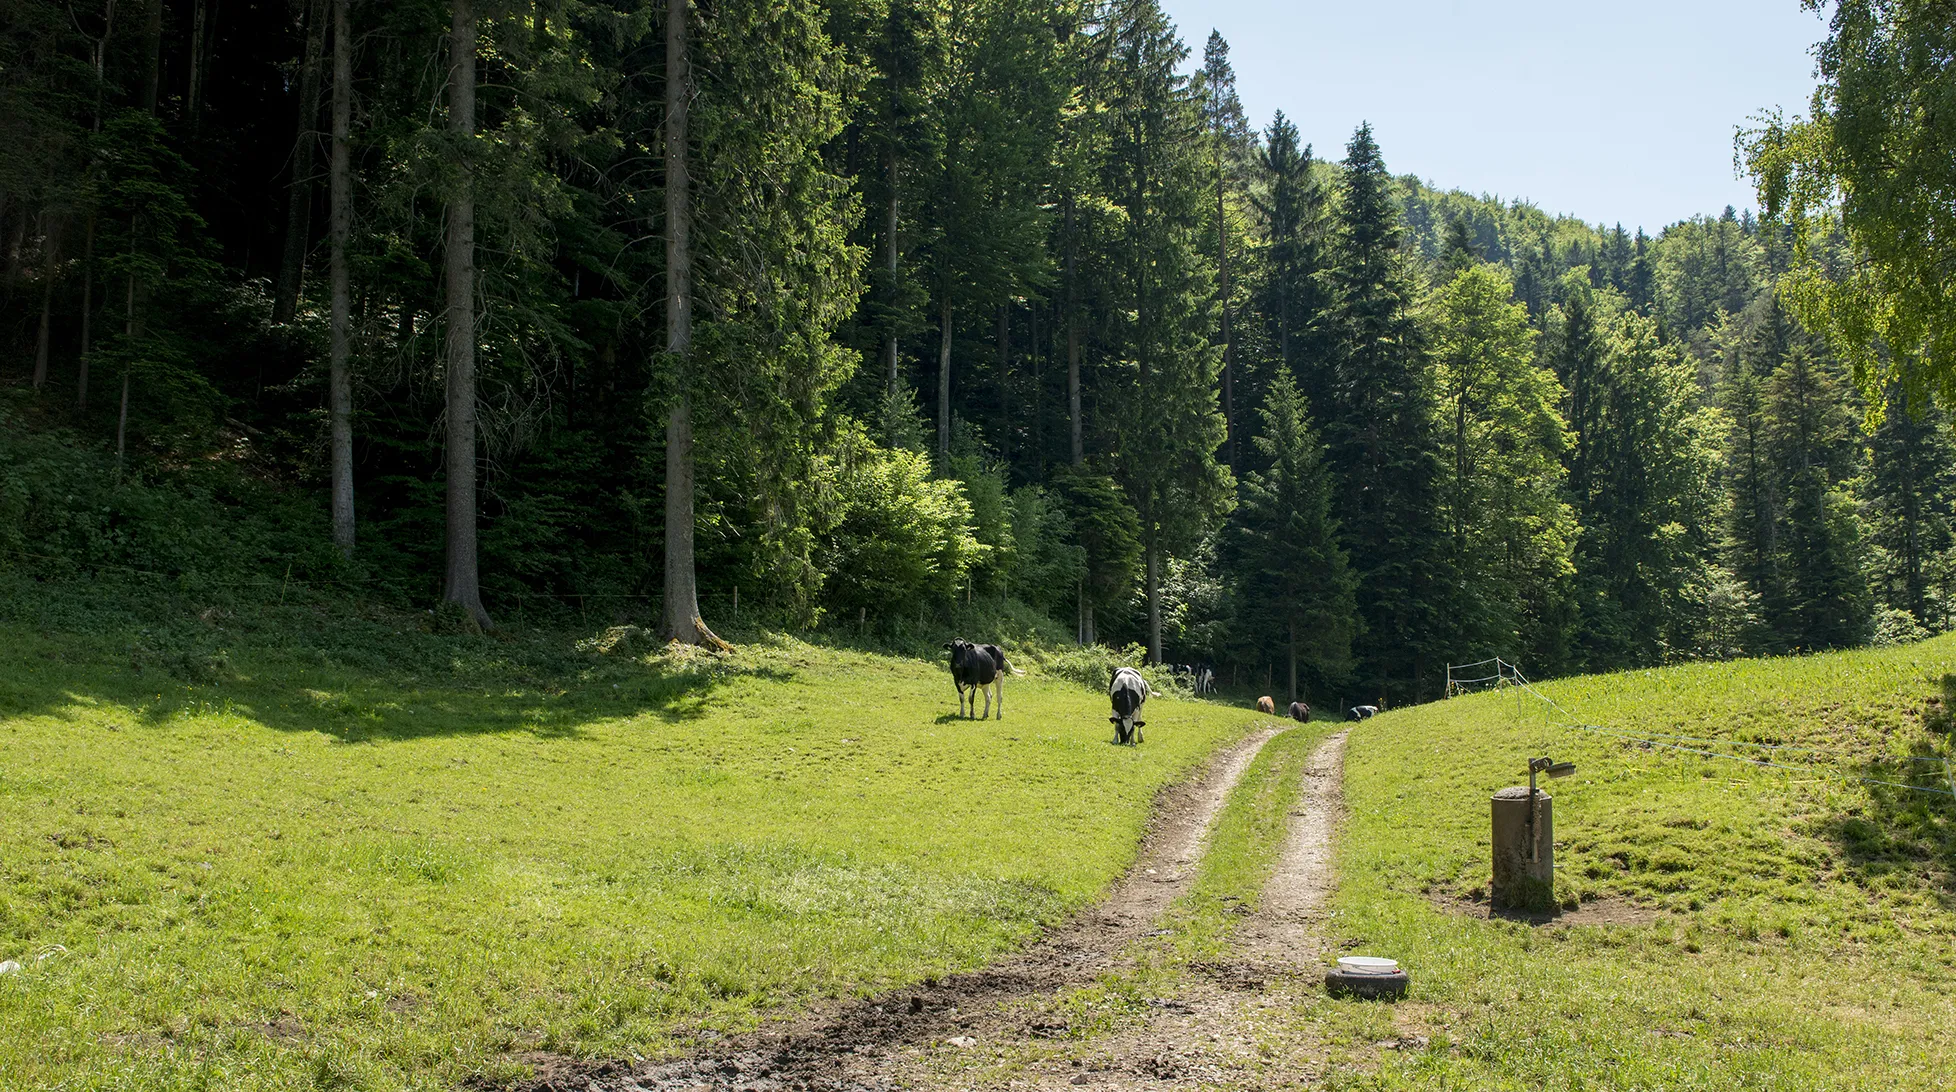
column 976, row 668
column 1128, row 691
column 1363, row 712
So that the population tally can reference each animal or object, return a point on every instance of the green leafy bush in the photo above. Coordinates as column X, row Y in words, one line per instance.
column 897, row 539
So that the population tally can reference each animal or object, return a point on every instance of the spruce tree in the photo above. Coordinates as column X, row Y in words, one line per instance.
column 1812, row 433
column 1170, row 428
column 1385, row 449
column 1911, row 492
column 1292, row 294
column 1510, row 531
column 1229, row 142
column 1293, row 587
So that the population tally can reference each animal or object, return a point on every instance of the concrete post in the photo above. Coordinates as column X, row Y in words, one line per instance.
column 1524, row 875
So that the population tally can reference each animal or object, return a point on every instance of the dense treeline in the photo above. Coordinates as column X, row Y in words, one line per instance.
column 856, row 309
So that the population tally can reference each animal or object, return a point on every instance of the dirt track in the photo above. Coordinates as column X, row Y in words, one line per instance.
column 989, row 1028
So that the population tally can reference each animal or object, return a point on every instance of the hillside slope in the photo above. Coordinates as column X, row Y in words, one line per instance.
column 1729, row 924
column 407, row 860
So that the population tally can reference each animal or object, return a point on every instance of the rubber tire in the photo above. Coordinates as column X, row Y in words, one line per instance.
column 1366, row 987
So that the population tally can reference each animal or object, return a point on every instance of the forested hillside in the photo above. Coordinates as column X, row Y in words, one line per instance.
column 851, row 311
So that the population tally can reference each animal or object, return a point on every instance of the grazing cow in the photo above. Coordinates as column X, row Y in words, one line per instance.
column 1300, row 711
column 1266, row 705
column 977, row 668
column 1127, row 691
column 1361, row 712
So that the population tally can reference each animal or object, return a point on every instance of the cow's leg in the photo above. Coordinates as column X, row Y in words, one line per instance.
column 985, row 689
column 1001, row 695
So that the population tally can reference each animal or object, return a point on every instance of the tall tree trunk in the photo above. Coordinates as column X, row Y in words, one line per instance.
column 153, row 53
column 1005, row 386
column 1079, row 451
column 153, row 43
column 1154, row 583
column 48, row 245
column 944, row 381
column 98, row 47
column 681, row 620
column 1036, row 356
column 890, row 264
column 463, row 586
column 193, row 100
column 87, row 316
column 129, row 335
column 1229, row 343
column 298, row 206
column 340, row 379
column 1293, row 660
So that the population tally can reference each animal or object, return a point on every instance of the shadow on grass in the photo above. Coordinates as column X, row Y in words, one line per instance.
column 359, row 682
column 1905, row 836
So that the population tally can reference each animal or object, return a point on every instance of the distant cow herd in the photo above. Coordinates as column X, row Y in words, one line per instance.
column 981, row 669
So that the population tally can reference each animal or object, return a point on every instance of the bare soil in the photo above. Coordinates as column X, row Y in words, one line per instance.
column 891, row 1041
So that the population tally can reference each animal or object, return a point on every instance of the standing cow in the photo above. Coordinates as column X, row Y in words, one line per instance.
column 1127, row 692
column 1300, row 711
column 976, row 668
column 1267, row 704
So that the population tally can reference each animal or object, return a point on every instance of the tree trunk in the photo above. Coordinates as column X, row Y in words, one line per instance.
column 463, row 586
column 340, row 379
column 129, row 334
column 1073, row 348
column 944, row 382
column 298, row 207
column 1293, row 660
column 1154, row 590
column 153, row 51
column 1229, row 344
column 193, row 100
column 1005, row 387
column 87, row 316
column 48, row 246
column 681, row 611
column 890, row 263
column 98, row 47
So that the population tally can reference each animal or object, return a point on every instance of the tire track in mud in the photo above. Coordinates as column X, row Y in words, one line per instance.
column 861, row 1046
column 1228, row 1025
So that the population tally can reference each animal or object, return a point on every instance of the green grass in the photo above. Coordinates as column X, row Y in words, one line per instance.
column 1800, row 924
column 372, row 857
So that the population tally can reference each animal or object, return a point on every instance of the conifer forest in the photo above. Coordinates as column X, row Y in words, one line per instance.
column 881, row 316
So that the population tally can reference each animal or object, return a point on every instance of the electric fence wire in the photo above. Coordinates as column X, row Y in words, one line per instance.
column 1659, row 741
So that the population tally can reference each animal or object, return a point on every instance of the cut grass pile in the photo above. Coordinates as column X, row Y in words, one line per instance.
column 408, row 860
column 1779, row 929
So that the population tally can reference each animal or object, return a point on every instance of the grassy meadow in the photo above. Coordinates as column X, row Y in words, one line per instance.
column 1775, row 929
column 370, row 857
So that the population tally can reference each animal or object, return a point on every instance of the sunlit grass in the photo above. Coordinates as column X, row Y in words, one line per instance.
column 309, row 874
column 1798, row 923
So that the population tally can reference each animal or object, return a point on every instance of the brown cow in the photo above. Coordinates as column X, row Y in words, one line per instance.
column 1265, row 705
column 1300, row 711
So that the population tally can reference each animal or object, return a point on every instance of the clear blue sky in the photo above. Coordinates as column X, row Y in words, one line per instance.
column 1609, row 111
